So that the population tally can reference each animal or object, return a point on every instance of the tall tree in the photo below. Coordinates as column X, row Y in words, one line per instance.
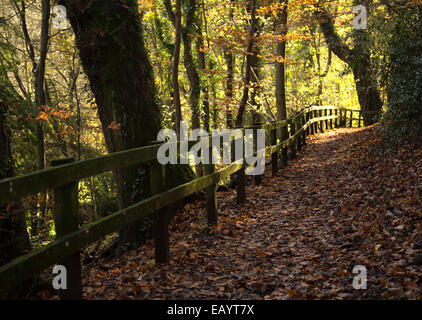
column 230, row 63
column 14, row 240
column 109, row 36
column 38, row 65
column 38, row 68
column 317, row 46
column 256, row 75
column 249, row 58
column 190, row 65
column 402, row 72
column 188, row 30
column 358, row 58
column 175, row 67
column 280, row 81
column 202, row 65
column 40, row 97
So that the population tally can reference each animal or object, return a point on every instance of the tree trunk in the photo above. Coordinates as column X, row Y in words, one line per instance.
column 249, row 57
column 191, row 69
column 317, row 46
column 230, row 63
column 40, row 77
column 256, row 86
column 204, row 85
column 38, row 68
column 14, row 240
column 110, row 42
column 229, row 88
column 367, row 90
column 359, row 60
column 175, row 67
column 40, row 99
column 256, row 76
column 280, row 82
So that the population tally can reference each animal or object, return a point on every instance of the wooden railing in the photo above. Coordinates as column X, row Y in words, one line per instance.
column 63, row 177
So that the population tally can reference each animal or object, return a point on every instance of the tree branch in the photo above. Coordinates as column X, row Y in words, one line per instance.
column 333, row 40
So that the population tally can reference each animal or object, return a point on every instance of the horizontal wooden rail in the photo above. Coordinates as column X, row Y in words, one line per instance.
column 360, row 111
column 37, row 260
column 15, row 188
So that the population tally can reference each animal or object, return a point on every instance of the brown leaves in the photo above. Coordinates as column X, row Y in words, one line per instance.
column 114, row 126
column 299, row 236
column 46, row 113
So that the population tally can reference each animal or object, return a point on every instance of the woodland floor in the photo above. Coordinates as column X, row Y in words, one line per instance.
column 342, row 202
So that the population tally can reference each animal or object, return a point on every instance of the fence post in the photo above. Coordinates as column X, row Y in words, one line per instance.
column 257, row 178
column 240, row 175
column 360, row 118
column 351, row 119
column 274, row 155
column 336, row 120
column 321, row 123
column 161, row 217
column 316, row 122
column 340, row 119
column 66, row 220
column 284, row 137
column 306, row 121
column 211, row 193
column 344, row 123
column 331, row 120
column 304, row 131
column 326, row 121
column 298, row 122
column 311, row 117
column 291, row 134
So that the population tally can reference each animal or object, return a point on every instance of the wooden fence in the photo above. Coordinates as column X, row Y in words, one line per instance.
column 63, row 179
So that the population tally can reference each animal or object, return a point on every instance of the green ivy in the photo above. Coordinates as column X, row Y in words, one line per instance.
column 403, row 120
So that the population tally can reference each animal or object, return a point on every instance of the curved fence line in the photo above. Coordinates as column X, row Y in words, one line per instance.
column 63, row 179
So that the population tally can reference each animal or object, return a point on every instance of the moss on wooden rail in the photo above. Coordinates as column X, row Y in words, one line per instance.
column 15, row 188
column 39, row 259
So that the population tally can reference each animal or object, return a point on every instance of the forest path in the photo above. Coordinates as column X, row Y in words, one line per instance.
column 299, row 235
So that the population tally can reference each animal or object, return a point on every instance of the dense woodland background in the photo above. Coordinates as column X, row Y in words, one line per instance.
column 120, row 70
